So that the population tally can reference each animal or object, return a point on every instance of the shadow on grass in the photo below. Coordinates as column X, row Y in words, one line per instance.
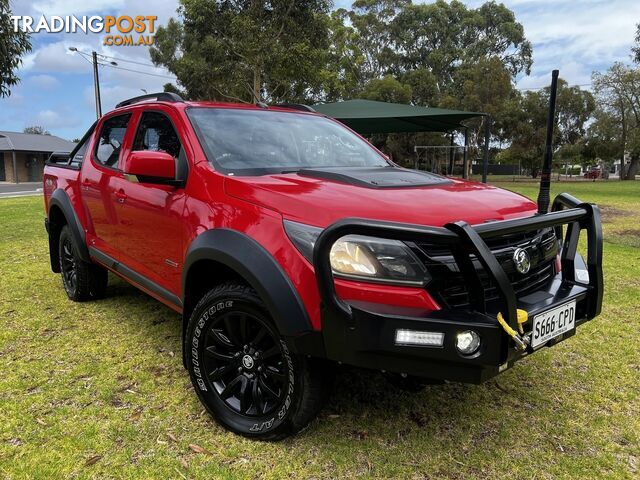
column 357, row 394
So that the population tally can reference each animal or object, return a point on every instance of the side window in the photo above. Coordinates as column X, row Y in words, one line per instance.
column 78, row 156
column 155, row 132
column 110, row 140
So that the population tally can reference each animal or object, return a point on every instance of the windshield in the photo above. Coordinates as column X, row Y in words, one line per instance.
column 254, row 142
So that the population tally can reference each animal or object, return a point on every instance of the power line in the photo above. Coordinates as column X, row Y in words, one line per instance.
column 128, row 61
column 86, row 57
column 138, row 71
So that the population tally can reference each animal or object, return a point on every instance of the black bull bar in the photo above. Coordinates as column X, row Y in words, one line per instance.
column 466, row 241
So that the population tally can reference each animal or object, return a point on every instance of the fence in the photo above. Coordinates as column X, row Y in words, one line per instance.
column 442, row 159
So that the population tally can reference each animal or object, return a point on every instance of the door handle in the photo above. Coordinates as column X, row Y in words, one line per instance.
column 121, row 196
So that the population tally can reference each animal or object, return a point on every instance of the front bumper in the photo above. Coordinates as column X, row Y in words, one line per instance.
column 363, row 334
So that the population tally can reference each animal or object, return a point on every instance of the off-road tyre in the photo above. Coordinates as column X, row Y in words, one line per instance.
column 243, row 371
column 81, row 280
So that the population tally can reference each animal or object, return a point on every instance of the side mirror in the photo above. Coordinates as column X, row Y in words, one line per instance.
column 151, row 165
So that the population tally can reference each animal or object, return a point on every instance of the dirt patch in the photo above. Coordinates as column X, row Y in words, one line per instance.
column 630, row 237
column 609, row 214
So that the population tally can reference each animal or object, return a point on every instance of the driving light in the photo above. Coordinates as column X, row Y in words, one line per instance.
column 468, row 342
column 418, row 337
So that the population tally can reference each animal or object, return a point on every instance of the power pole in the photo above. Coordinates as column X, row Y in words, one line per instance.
column 96, row 85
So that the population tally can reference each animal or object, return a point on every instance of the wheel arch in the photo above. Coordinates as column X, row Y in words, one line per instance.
column 229, row 255
column 61, row 213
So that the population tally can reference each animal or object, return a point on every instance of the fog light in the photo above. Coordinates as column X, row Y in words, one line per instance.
column 468, row 342
column 417, row 337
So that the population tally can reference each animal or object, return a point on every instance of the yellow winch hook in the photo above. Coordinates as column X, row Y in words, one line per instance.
column 523, row 316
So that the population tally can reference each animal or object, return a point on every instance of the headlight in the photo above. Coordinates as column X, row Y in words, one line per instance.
column 363, row 258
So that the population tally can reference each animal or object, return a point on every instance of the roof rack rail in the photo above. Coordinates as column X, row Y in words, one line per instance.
column 160, row 96
column 295, row 106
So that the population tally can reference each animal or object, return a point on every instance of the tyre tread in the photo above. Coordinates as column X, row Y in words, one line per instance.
column 314, row 377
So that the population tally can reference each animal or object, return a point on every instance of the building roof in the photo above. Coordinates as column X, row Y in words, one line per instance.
column 367, row 116
column 29, row 142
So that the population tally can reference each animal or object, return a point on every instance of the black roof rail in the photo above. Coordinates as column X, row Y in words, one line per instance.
column 295, row 106
column 160, row 96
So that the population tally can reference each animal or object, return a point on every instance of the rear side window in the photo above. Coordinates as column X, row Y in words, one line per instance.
column 110, row 140
column 78, row 156
column 156, row 133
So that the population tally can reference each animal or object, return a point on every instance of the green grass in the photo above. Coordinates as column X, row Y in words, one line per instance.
column 97, row 390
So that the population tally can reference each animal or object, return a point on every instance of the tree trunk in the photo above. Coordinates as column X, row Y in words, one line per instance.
column 257, row 94
column 633, row 168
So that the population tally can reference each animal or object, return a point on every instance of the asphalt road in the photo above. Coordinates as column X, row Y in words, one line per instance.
column 9, row 190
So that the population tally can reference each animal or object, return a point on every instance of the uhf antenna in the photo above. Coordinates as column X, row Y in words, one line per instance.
column 545, row 176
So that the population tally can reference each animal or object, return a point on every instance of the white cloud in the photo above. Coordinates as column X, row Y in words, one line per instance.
column 576, row 37
column 47, row 117
column 73, row 7
column 55, row 58
column 15, row 100
column 54, row 119
column 44, row 82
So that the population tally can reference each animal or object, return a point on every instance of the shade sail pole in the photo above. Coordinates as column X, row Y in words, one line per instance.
column 487, row 137
column 465, row 159
column 451, row 156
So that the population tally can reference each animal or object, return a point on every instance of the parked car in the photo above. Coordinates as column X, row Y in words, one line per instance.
column 288, row 243
column 593, row 173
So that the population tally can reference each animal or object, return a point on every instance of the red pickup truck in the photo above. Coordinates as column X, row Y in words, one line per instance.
column 287, row 242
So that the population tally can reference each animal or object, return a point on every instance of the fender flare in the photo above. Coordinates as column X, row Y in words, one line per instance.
column 252, row 262
column 60, row 199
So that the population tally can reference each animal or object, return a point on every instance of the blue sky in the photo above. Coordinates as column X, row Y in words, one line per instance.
column 56, row 91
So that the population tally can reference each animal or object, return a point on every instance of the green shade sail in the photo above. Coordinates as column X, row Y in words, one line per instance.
column 368, row 116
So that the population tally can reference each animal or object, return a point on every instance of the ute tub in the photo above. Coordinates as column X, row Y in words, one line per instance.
column 364, row 334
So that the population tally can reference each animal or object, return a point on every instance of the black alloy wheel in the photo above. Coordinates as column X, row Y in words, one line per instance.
column 81, row 280
column 244, row 363
column 68, row 265
column 243, row 370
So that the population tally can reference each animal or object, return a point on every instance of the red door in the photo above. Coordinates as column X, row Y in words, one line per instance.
column 100, row 182
column 151, row 214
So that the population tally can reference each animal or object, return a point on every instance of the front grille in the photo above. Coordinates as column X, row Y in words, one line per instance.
column 449, row 286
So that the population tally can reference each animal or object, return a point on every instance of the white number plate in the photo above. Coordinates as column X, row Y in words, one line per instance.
column 554, row 322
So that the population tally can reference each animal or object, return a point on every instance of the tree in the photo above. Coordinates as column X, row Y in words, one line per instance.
column 246, row 50
column 494, row 32
column 424, row 86
column 374, row 39
column 618, row 95
column 387, row 89
column 342, row 75
column 12, row 46
column 604, row 137
column 483, row 86
column 36, row 130
column 525, row 122
column 442, row 37
column 423, row 45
